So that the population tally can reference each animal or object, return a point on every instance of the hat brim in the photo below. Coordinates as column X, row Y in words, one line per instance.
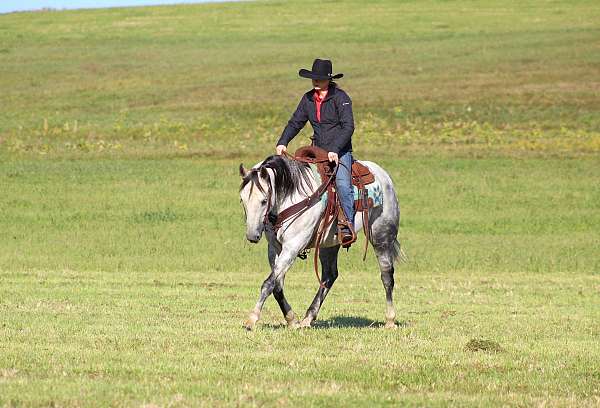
column 305, row 73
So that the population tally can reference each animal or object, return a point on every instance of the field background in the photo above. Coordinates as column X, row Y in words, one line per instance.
column 124, row 272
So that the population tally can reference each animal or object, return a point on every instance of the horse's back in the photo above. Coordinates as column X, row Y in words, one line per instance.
column 386, row 214
column 383, row 178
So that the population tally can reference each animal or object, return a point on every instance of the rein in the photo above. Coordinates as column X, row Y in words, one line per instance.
column 299, row 208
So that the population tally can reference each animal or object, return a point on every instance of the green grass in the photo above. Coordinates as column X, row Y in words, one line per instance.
column 125, row 282
column 124, row 272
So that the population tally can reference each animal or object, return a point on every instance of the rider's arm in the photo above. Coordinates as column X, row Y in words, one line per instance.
column 344, row 104
column 295, row 124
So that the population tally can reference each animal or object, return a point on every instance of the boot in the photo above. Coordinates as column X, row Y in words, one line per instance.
column 348, row 237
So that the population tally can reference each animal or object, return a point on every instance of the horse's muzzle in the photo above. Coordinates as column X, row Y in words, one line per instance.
column 254, row 237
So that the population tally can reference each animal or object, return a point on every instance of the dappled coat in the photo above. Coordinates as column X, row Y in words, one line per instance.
column 334, row 132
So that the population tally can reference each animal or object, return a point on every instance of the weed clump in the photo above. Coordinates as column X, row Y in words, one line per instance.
column 483, row 345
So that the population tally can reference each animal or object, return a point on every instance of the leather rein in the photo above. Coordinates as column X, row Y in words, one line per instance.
column 274, row 223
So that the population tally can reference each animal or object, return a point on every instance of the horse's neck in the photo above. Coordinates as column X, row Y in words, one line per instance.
column 297, row 196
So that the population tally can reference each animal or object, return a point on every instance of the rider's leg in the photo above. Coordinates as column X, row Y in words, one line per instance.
column 343, row 181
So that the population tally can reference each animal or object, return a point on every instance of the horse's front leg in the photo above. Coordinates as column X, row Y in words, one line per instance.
column 274, row 284
column 328, row 257
column 290, row 317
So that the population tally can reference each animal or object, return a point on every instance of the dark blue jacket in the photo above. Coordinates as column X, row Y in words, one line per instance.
column 334, row 132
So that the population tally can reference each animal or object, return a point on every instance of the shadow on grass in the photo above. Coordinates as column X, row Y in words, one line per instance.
column 351, row 321
column 338, row 322
column 346, row 321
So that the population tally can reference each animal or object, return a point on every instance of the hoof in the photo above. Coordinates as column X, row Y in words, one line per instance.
column 251, row 322
column 292, row 321
column 390, row 324
column 306, row 322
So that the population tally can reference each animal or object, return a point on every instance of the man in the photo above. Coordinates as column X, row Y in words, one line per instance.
column 329, row 110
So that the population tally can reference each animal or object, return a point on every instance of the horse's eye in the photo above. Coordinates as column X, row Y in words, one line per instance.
column 264, row 202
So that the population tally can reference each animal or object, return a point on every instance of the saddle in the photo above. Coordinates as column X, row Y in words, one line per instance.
column 361, row 176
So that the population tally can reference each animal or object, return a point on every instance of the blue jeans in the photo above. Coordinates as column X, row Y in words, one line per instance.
column 343, row 181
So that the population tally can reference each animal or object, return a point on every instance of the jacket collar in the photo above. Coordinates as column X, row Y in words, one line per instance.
column 330, row 92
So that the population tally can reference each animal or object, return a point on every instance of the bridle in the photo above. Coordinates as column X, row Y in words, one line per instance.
column 269, row 197
column 267, row 217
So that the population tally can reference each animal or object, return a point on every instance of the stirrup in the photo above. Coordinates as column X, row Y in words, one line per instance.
column 347, row 242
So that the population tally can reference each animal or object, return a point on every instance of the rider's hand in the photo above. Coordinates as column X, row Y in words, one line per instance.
column 332, row 156
column 280, row 149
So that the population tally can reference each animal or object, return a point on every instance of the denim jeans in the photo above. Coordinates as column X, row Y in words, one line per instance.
column 343, row 181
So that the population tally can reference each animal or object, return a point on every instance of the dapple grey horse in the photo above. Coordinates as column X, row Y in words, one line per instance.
column 285, row 182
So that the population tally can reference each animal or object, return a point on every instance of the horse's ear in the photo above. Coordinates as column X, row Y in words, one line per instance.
column 264, row 173
column 243, row 171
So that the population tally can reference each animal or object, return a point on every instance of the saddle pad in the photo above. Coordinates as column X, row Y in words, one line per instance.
column 375, row 193
column 374, row 189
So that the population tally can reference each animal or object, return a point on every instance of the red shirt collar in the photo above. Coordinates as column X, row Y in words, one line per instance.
column 317, row 95
column 318, row 102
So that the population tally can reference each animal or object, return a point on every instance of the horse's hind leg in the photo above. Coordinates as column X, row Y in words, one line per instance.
column 328, row 257
column 385, row 256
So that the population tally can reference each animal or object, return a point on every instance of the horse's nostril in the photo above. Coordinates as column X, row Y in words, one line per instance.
column 254, row 239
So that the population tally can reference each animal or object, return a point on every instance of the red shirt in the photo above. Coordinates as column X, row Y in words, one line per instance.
column 318, row 102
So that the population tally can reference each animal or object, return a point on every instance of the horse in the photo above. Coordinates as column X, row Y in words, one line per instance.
column 279, row 182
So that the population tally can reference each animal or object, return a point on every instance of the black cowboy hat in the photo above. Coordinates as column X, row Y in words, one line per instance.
column 321, row 69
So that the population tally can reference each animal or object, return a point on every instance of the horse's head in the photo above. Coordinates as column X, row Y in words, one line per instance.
column 267, row 186
column 255, row 196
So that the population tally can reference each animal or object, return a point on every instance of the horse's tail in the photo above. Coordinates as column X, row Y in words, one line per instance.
column 398, row 253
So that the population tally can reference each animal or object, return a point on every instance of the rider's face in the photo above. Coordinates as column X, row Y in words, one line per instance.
column 320, row 84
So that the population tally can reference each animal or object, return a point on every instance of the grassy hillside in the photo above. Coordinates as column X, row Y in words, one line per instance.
column 222, row 78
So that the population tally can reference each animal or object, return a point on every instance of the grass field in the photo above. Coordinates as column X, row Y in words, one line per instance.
column 124, row 272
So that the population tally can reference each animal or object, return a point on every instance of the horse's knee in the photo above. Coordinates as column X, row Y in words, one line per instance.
column 278, row 286
column 268, row 285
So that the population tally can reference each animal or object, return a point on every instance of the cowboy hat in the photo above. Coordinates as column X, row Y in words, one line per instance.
column 321, row 69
